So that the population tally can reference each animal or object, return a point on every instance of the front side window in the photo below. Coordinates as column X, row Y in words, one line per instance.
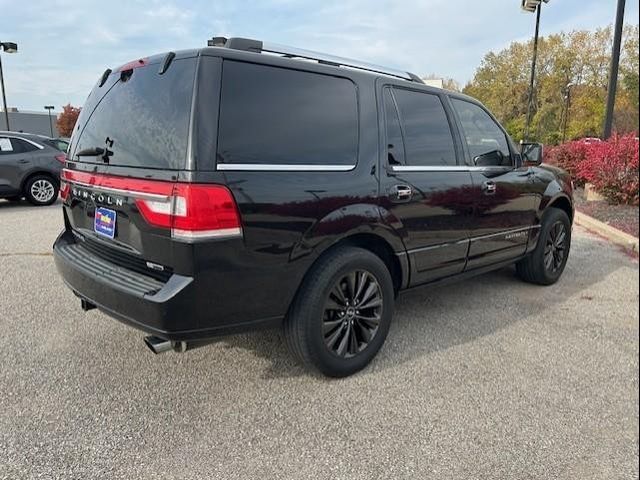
column 486, row 141
column 278, row 116
column 427, row 135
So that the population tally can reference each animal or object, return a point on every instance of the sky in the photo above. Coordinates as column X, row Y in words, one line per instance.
column 65, row 45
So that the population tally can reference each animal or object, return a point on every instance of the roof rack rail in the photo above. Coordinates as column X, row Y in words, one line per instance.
column 257, row 46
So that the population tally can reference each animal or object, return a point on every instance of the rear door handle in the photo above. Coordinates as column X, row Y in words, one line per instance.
column 489, row 187
column 401, row 193
column 23, row 160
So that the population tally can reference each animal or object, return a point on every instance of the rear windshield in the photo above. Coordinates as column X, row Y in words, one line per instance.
column 146, row 116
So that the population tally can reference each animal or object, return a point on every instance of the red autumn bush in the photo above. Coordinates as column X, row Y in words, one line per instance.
column 611, row 166
column 568, row 156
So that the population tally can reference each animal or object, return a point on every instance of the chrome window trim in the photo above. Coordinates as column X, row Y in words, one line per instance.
column 447, row 168
column 118, row 191
column 272, row 167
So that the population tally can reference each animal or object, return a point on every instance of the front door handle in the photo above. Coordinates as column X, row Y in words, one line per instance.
column 489, row 187
column 401, row 193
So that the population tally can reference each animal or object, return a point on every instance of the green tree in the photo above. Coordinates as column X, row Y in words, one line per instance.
column 573, row 70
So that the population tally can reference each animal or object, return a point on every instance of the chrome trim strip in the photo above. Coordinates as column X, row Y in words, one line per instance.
column 504, row 232
column 272, row 167
column 189, row 235
column 451, row 168
column 117, row 191
column 440, row 245
column 467, row 240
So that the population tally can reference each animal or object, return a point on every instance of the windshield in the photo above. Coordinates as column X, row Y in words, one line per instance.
column 143, row 118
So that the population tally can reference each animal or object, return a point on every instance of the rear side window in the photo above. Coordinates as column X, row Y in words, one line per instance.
column 146, row 115
column 21, row 146
column 427, row 135
column 277, row 116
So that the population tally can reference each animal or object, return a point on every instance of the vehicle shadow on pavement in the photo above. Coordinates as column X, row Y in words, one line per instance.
column 428, row 320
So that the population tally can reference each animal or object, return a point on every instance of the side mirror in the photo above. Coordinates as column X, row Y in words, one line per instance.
column 532, row 153
column 494, row 158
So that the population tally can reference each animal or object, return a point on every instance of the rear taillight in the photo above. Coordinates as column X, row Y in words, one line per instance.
column 61, row 158
column 192, row 211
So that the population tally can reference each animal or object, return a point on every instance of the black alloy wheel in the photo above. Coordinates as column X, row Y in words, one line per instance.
column 555, row 247
column 352, row 314
column 342, row 312
column 545, row 264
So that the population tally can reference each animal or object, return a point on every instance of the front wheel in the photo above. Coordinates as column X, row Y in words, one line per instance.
column 342, row 312
column 546, row 263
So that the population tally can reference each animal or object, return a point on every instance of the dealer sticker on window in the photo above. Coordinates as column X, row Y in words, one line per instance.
column 105, row 222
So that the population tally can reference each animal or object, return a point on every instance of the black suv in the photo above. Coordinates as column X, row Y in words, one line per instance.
column 248, row 185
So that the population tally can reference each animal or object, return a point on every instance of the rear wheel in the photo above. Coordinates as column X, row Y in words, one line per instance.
column 546, row 264
column 41, row 190
column 342, row 312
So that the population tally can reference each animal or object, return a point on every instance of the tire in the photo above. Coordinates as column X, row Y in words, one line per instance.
column 539, row 267
column 41, row 190
column 319, row 320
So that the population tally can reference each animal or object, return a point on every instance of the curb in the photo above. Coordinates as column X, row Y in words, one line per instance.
column 610, row 233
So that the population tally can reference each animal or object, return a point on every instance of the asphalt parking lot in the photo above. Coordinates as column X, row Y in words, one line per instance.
column 489, row 378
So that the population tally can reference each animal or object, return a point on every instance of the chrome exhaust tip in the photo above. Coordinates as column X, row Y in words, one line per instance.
column 160, row 345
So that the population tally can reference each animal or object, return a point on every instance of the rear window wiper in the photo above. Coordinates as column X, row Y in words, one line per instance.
column 105, row 153
column 90, row 152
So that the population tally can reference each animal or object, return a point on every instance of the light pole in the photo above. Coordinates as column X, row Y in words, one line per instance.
column 532, row 6
column 48, row 108
column 567, row 98
column 8, row 47
column 613, row 71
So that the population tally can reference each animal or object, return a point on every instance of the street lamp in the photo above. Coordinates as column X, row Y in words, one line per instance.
column 613, row 70
column 8, row 47
column 49, row 108
column 532, row 6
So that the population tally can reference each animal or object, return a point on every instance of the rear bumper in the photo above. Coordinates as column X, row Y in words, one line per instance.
column 166, row 309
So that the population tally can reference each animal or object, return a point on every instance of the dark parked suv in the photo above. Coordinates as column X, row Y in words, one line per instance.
column 30, row 167
column 248, row 185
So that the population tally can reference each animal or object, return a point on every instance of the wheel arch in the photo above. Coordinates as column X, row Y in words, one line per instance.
column 563, row 203
column 36, row 172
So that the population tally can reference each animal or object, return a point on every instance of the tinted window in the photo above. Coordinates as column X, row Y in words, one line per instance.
column 486, row 141
column 146, row 116
column 395, row 143
column 272, row 115
column 427, row 135
column 21, row 146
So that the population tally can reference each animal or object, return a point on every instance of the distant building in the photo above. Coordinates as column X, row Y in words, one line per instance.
column 30, row 122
